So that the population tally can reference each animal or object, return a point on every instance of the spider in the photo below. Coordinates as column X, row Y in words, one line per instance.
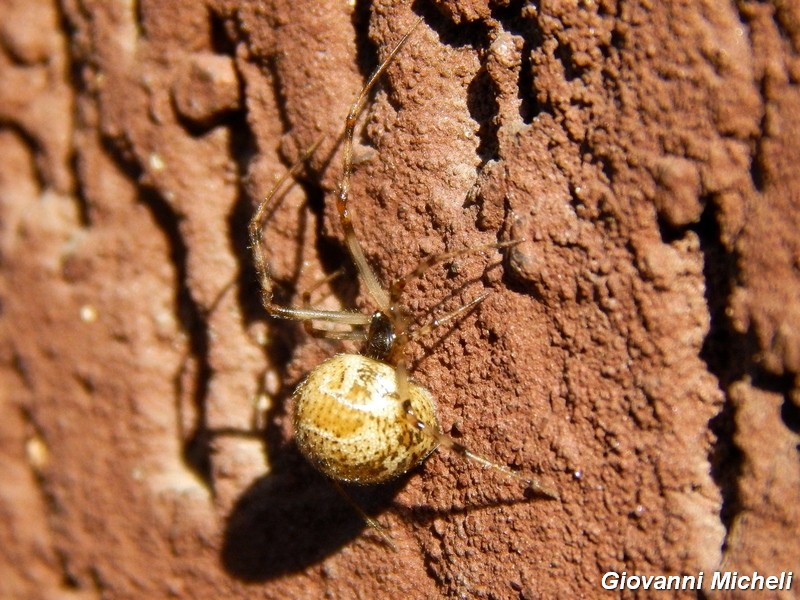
column 360, row 418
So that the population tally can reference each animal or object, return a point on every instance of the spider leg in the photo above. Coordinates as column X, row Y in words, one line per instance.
column 255, row 230
column 398, row 287
column 445, row 441
column 374, row 288
column 380, row 529
column 404, row 336
column 358, row 335
column 441, row 320
column 324, row 281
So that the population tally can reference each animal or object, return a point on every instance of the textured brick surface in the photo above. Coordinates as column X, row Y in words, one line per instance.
column 640, row 351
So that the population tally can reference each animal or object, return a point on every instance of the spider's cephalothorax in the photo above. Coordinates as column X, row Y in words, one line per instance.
column 381, row 337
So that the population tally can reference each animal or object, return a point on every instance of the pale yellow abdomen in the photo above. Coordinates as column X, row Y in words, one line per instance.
column 350, row 424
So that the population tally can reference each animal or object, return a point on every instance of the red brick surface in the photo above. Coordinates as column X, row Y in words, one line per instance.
column 640, row 351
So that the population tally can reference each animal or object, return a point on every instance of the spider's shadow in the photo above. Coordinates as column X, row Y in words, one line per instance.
column 292, row 518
